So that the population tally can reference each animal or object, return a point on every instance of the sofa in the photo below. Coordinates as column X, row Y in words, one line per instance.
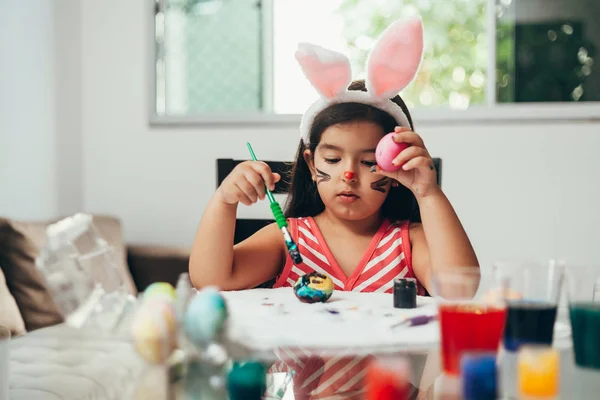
column 49, row 360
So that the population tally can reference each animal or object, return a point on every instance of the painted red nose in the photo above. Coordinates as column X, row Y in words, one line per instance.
column 349, row 175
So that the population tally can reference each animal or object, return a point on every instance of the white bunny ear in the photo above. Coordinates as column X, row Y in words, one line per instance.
column 395, row 58
column 328, row 71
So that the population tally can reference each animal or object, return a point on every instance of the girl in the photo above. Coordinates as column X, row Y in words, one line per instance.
column 352, row 221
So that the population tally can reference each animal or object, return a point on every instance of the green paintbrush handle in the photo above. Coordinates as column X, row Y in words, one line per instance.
column 275, row 208
column 278, row 214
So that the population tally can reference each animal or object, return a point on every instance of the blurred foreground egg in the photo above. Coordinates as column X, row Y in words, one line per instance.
column 159, row 289
column 154, row 330
column 205, row 316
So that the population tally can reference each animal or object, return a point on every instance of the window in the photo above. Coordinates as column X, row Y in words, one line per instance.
column 546, row 50
column 209, row 56
column 237, row 56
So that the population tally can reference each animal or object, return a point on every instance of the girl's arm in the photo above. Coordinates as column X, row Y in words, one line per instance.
column 214, row 260
column 440, row 240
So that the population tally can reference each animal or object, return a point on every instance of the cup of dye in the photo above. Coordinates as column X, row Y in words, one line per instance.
column 388, row 379
column 583, row 296
column 469, row 322
column 538, row 371
column 479, row 376
column 532, row 297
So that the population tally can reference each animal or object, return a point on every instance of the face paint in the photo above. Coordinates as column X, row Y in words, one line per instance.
column 322, row 176
column 379, row 184
column 349, row 175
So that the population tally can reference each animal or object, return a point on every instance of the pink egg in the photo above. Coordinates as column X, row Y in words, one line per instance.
column 387, row 149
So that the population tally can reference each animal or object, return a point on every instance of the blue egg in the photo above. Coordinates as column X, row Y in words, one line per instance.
column 205, row 316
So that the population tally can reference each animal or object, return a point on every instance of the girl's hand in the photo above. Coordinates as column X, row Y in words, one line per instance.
column 417, row 172
column 246, row 183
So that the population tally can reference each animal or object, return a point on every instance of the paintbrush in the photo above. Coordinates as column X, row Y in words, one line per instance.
column 280, row 219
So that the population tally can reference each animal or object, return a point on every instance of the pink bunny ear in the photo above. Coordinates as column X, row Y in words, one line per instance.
column 328, row 71
column 395, row 58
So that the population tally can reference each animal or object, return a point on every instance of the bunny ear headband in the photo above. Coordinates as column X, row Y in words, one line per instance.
column 391, row 66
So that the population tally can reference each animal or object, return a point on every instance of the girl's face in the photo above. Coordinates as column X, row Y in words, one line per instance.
column 341, row 166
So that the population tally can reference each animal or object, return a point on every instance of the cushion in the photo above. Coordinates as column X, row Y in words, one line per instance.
column 17, row 259
column 20, row 244
column 10, row 316
column 62, row 363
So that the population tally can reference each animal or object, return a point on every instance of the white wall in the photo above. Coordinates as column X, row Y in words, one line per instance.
column 83, row 142
column 28, row 176
column 522, row 190
column 69, row 148
column 74, row 135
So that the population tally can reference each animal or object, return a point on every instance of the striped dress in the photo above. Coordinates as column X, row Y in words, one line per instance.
column 388, row 257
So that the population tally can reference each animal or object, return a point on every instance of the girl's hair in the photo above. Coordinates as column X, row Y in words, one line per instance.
column 304, row 199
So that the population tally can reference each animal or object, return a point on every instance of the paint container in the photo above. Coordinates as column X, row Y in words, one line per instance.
column 388, row 378
column 479, row 376
column 538, row 371
column 405, row 293
column 247, row 381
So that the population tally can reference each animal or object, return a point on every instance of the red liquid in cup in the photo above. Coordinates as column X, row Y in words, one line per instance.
column 467, row 328
column 386, row 383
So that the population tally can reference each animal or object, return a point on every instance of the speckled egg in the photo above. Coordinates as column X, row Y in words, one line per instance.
column 205, row 316
column 313, row 287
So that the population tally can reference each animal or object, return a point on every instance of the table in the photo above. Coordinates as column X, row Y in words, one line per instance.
column 300, row 387
column 427, row 379
column 423, row 352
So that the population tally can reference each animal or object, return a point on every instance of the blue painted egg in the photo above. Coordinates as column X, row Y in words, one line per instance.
column 313, row 287
column 205, row 316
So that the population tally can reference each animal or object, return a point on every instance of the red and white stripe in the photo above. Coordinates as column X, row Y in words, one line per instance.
column 389, row 260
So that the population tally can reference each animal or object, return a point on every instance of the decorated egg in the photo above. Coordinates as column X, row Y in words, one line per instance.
column 313, row 287
column 387, row 149
column 159, row 289
column 154, row 330
column 205, row 316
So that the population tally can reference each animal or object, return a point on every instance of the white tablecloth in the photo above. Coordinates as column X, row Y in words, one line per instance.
column 264, row 319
